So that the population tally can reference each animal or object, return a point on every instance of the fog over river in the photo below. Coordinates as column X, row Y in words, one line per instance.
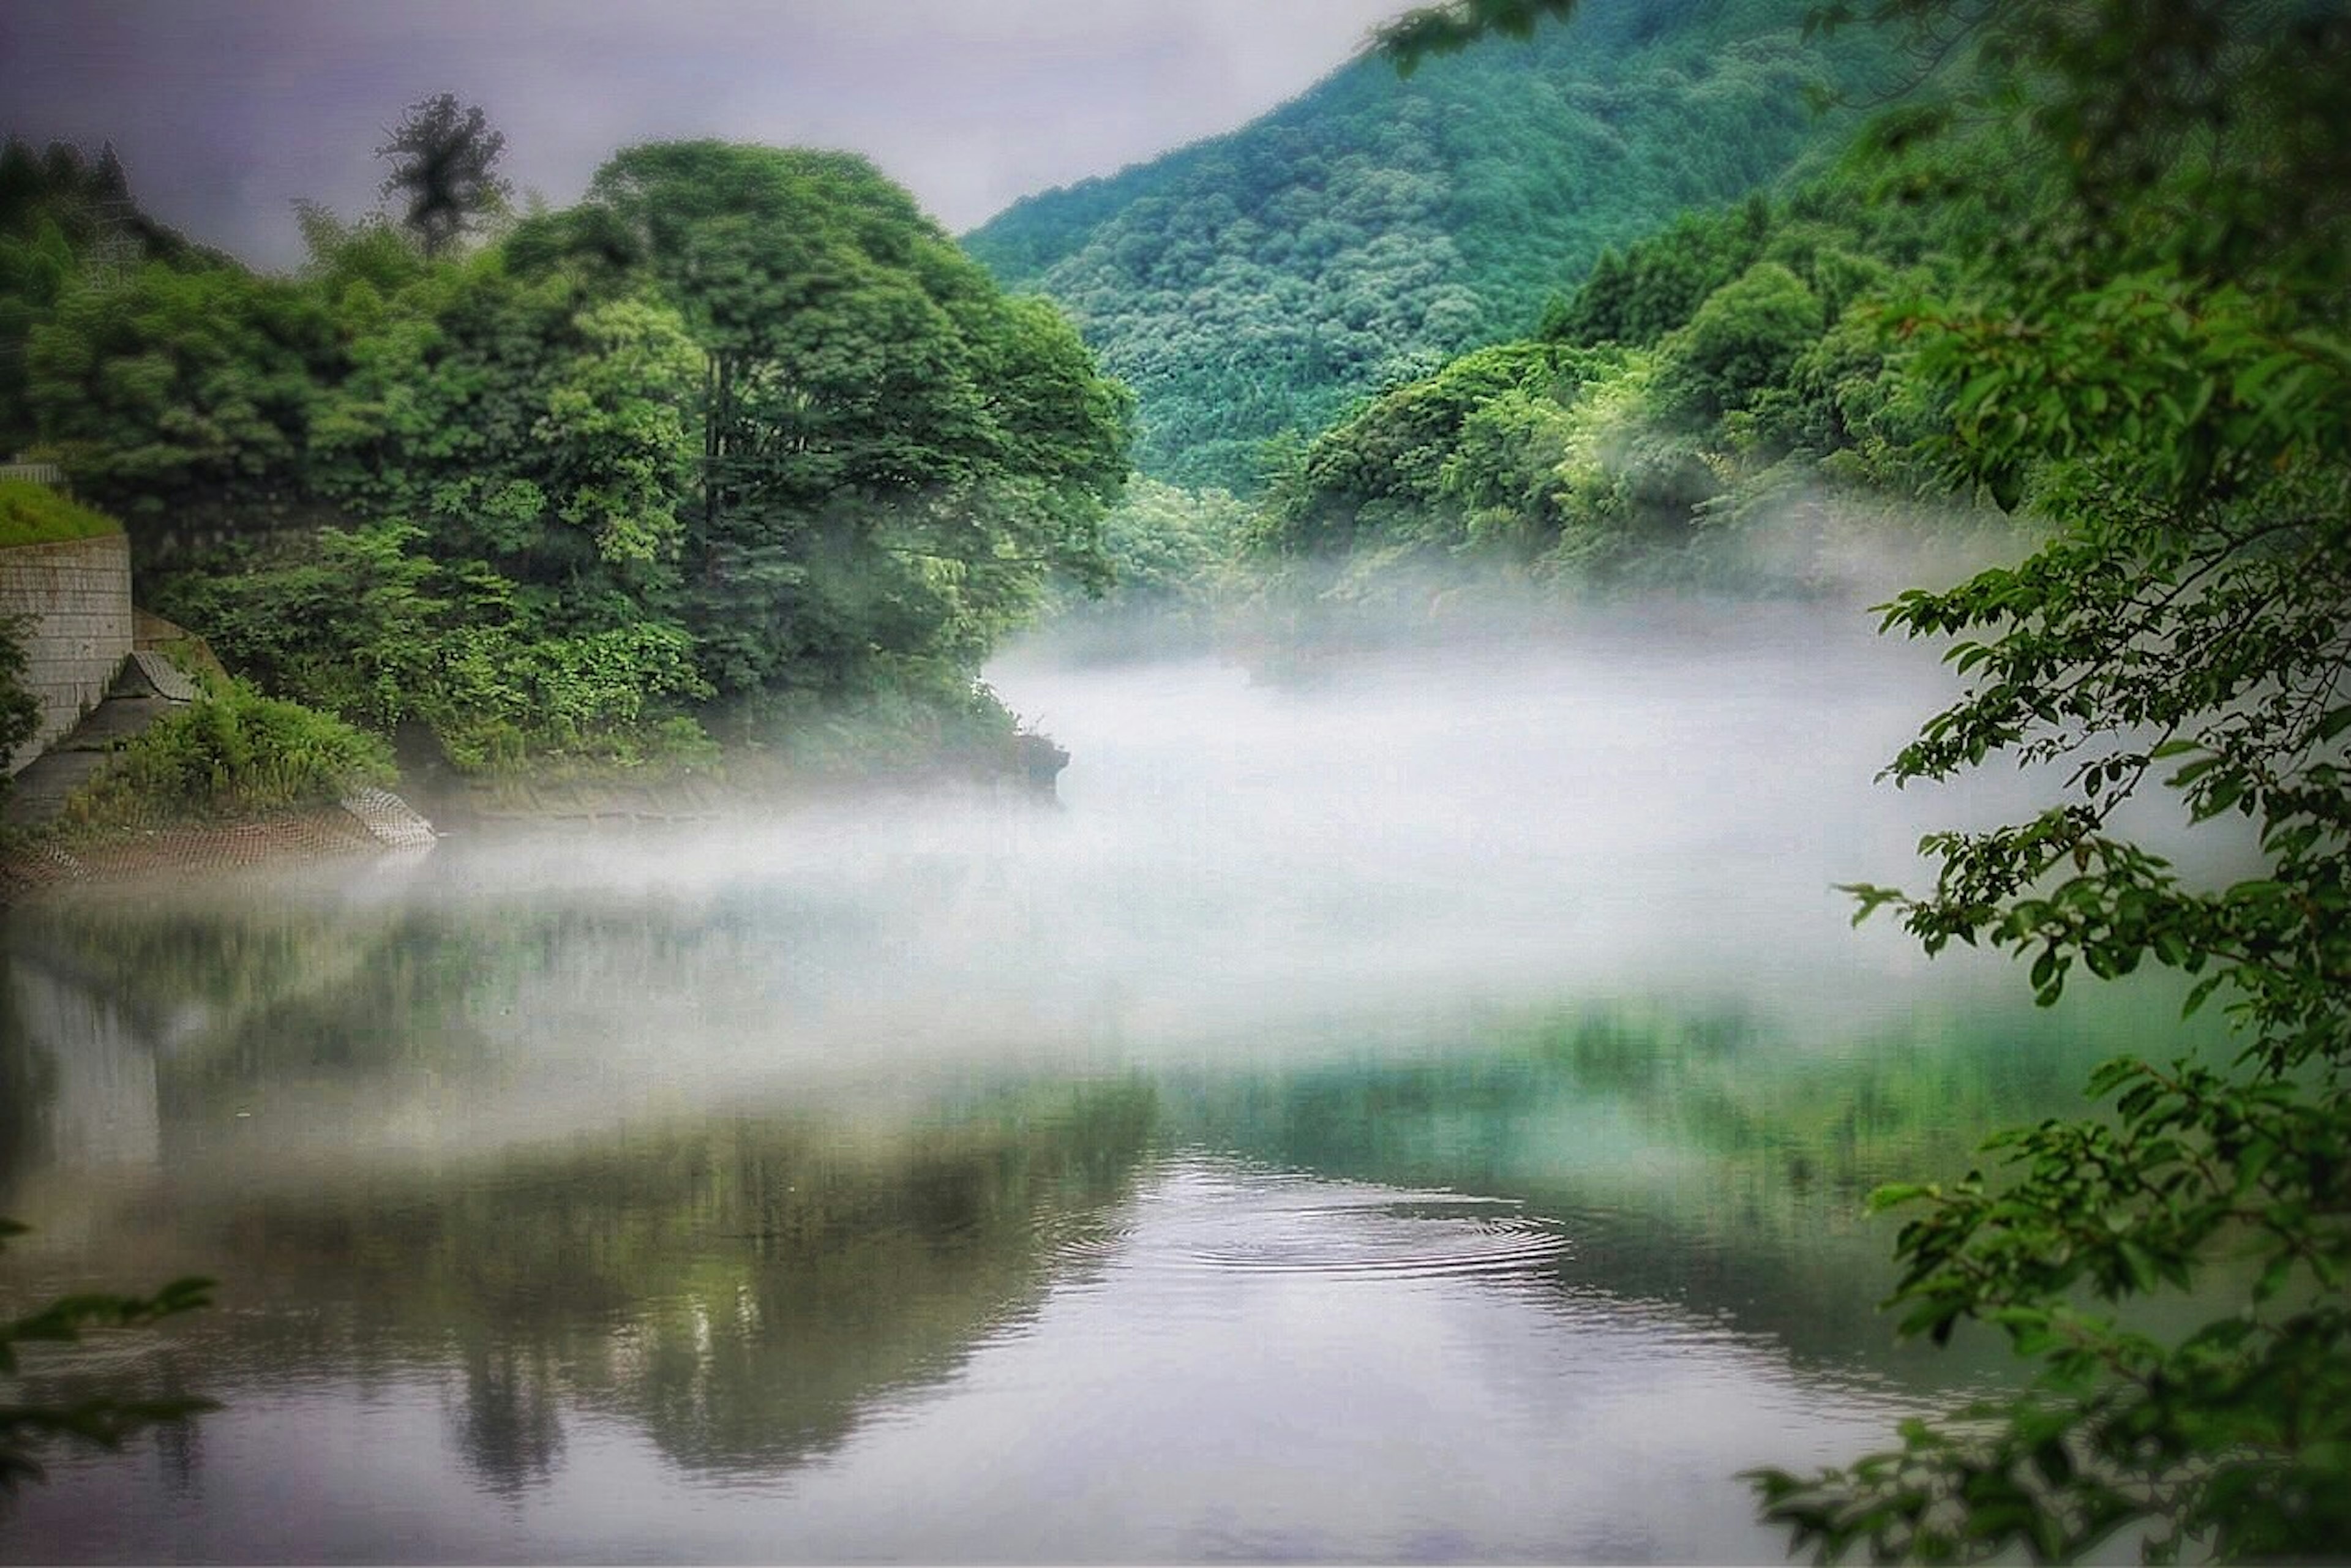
column 1413, row 1105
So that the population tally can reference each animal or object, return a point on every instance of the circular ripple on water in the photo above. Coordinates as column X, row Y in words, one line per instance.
column 1085, row 1240
column 1238, row 1221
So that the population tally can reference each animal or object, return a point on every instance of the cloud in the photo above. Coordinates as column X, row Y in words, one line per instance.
column 225, row 114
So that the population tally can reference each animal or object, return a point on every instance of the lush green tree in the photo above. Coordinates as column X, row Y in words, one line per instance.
column 1382, row 469
column 1745, row 337
column 524, row 422
column 34, row 272
column 1638, row 297
column 894, row 453
column 525, row 442
column 61, row 212
column 1849, row 404
column 357, row 266
column 174, row 393
column 2160, row 366
column 2152, row 356
column 443, row 157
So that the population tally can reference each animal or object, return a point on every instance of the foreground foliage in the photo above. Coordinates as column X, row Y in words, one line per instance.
column 106, row 1421
column 2154, row 356
column 60, row 212
column 2161, row 368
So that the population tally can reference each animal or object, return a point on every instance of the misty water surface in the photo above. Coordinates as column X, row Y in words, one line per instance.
column 1415, row 1107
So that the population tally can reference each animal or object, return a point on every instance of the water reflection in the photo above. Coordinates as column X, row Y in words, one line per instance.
column 1448, row 1288
column 1424, row 1118
column 1700, row 1160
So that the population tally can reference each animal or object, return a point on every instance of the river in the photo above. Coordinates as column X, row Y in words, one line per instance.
column 1415, row 1108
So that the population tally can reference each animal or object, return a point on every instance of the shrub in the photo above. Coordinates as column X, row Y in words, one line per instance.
column 20, row 710
column 234, row 753
column 1745, row 337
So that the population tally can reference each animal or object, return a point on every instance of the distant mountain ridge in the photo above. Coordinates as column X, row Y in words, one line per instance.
column 1261, row 281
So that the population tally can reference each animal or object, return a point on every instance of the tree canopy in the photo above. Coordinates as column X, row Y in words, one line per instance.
column 443, row 157
column 742, row 430
column 893, row 454
column 2146, row 352
column 2157, row 364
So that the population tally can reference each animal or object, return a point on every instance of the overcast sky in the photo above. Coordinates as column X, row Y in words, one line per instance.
column 227, row 111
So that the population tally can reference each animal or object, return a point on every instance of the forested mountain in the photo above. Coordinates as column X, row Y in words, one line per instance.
column 1717, row 404
column 1724, row 403
column 1260, row 281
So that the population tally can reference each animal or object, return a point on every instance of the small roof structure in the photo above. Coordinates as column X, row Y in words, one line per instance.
column 148, row 673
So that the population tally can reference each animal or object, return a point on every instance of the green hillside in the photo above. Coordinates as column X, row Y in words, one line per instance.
column 60, row 211
column 1261, row 281
column 739, row 439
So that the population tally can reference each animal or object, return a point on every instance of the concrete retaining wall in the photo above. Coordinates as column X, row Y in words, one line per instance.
column 78, row 596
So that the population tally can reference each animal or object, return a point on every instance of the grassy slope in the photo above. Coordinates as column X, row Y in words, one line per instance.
column 34, row 513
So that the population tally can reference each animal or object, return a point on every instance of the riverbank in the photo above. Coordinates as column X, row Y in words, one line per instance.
column 372, row 822
column 41, row 864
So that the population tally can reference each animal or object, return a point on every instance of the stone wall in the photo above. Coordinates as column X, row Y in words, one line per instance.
column 78, row 596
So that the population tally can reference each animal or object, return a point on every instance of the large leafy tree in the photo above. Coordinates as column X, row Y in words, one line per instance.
column 2156, row 361
column 529, row 422
column 182, row 393
column 520, row 449
column 60, row 211
column 443, row 160
column 2158, row 365
column 893, row 453
column 1745, row 337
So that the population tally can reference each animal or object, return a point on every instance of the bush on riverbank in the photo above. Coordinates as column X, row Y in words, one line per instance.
column 922, row 725
column 235, row 753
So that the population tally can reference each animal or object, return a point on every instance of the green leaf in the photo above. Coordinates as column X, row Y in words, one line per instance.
column 2111, row 1074
column 1895, row 1194
column 2197, row 995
